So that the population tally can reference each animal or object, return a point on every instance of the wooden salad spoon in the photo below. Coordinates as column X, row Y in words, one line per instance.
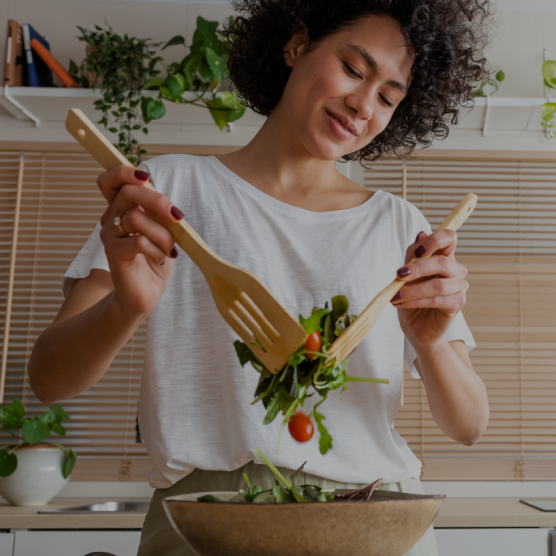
column 257, row 317
column 350, row 339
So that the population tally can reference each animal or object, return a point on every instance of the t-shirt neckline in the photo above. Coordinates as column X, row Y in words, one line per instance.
column 285, row 208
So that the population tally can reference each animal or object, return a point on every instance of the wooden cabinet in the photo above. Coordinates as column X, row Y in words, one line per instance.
column 74, row 543
column 493, row 542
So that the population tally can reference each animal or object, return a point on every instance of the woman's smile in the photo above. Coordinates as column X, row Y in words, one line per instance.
column 340, row 126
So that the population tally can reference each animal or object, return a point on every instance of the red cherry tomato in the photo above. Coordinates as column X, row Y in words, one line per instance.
column 313, row 343
column 301, row 427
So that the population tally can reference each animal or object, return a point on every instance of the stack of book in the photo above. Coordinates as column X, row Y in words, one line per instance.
column 29, row 61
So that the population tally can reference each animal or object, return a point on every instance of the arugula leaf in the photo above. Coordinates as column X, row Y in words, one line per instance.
column 340, row 307
column 282, row 495
column 281, row 401
column 243, row 352
column 325, row 440
column 312, row 323
column 298, row 497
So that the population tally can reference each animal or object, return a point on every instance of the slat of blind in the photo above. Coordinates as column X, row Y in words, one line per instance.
column 509, row 248
column 60, row 207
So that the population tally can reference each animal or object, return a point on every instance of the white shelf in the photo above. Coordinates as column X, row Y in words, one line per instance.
column 42, row 113
column 46, row 109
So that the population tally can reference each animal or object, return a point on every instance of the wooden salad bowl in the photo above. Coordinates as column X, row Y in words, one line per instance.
column 388, row 525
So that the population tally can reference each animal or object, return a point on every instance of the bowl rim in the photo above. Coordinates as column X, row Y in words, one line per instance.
column 377, row 498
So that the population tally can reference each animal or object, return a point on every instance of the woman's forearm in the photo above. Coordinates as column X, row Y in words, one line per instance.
column 456, row 394
column 72, row 355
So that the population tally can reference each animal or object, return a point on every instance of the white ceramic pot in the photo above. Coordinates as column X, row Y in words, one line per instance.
column 37, row 479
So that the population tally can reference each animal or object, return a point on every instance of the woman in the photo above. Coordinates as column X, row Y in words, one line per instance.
column 339, row 78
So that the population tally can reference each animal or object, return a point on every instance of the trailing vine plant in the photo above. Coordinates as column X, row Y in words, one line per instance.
column 203, row 71
column 549, row 112
column 490, row 86
column 119, row 67
column 125, row 69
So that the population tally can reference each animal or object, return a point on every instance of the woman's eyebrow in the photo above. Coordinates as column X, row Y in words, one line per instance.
column 372, row 63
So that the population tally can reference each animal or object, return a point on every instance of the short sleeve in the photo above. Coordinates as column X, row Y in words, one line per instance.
column 458, row 331
column 91, row 256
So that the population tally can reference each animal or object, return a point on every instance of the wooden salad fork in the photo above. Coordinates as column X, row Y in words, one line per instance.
column 257, row 317
column 350, row 339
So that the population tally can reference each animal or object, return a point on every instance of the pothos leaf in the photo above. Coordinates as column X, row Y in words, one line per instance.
column 178, row 39
column 548, row 69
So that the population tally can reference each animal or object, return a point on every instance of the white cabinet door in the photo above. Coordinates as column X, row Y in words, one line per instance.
column 6, row 544
column 75, row 543
column 492, row 542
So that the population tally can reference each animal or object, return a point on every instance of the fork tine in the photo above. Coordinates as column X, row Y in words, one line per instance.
column 245, row 334
column 252, row 325
column 259, row 317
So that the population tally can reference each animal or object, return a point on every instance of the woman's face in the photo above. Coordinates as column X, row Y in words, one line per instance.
column 343, row 93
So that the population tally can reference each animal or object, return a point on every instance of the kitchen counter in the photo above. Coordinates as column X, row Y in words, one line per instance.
column 456, row 512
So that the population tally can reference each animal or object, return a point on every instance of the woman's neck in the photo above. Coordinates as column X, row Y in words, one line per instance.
column 278, row 165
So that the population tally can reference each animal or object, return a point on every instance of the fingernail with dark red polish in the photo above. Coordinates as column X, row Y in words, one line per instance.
column 404, row 271
column 417, row 238
column 397, row 296
column 141, row 175
column 174, row 253
column 177, row 213
column 420, row 251
column 162, row 263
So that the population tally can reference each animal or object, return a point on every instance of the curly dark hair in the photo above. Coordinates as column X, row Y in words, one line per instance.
column 448, row 37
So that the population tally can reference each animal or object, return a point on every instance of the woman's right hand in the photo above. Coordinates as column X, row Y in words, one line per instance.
column 141, row 259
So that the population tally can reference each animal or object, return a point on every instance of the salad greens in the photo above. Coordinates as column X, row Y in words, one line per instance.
column 289, row 492
column 288, row 389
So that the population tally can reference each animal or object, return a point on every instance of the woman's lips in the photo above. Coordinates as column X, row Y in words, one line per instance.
column 338, row 129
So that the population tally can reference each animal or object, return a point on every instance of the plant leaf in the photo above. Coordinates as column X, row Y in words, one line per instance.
column 68, row 464
column 219, row 112
column 298, row 497
column 176, row 84
column 33, row 431
column 178, row 39
column 207, row 29
column 9, row 419
column 282, row 495
column 325, row 440
column 216, row 63
column 243, row 352
column 18, row 409
column 57, row 427
column 154, row 82
column 548, row 69
column 60, row 412
column 500, row 76
column 153, row 109
column 8, row 463
column 210, row 498
column 312, row 323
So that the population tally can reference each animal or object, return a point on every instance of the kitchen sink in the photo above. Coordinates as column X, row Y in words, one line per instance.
column 137, row 507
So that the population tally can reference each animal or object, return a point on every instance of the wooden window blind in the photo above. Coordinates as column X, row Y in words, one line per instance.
column 509, row 248
column 60, row 205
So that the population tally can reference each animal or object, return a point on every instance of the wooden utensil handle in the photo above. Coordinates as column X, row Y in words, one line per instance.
column 109, row 157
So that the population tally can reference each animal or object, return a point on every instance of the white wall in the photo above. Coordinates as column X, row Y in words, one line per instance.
column 517, row 48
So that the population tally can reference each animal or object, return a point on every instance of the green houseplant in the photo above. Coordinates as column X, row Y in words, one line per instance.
column 33, row 470
column 202, row 71
column 31, row 431
column 490, row 86
column 125, row 68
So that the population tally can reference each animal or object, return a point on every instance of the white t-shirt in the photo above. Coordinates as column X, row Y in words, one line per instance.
column 194, row 406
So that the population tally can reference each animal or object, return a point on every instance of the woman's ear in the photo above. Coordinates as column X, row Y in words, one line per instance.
column 296, row 47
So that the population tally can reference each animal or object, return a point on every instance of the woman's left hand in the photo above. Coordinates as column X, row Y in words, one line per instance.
column 435, row 288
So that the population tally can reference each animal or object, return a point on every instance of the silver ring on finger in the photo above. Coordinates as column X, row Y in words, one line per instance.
column 118, row 223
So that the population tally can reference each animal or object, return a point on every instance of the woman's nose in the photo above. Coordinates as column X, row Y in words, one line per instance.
column 360, row 104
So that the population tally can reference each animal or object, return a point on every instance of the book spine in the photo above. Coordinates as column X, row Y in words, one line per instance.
column 31, row 69
column 53, row 64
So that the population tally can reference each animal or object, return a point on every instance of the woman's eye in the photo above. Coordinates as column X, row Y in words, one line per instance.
column 385, row 100
column 351, row 71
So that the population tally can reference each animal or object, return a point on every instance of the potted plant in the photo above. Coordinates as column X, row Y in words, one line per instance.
column 33, row 471
column 123, row 67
